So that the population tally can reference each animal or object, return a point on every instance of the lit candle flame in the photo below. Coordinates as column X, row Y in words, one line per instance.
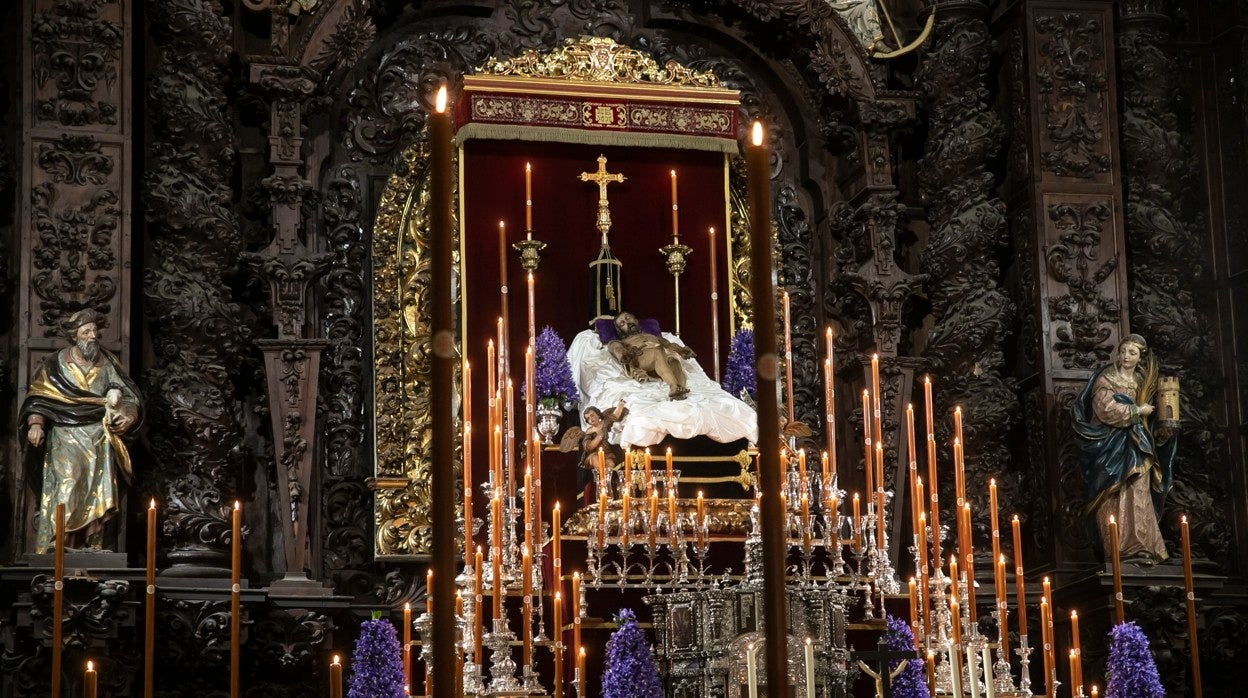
column 757, row 135
column 439, row 103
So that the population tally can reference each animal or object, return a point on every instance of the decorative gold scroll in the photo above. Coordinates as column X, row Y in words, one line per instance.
column 592, row 90
column 740, row 307
column 401, row 322
column 599, row 59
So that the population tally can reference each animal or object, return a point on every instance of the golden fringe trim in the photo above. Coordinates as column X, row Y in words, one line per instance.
column 557, row 134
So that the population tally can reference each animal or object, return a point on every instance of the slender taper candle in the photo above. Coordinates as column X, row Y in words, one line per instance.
column 914, row 610
column 236, row 564
column 1045, row 648
column 575, row 599
column 868, row 457
column 1194, row 643
column 149, row 616
column 442, row 396
column 1020, row 584
column 496, row 555
column 788, row 357
column 526, row 608
column 1003, row 606
column 557, row 646
column 407, row 639
column 58, row 595
column 714, row 307
column 970, row 564
column 1076, row 680
column 933, row 518
column 580, row 671
column 758, row 171
column 675, row 212
column 1119, row 612
column 877, row 424
column 829, row 399
column 528, row 201
column 478, row 609
column 556, row 546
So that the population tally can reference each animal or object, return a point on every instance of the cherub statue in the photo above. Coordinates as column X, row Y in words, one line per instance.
column 594, row 437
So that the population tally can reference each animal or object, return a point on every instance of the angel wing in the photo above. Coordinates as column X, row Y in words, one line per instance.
column 571, row 440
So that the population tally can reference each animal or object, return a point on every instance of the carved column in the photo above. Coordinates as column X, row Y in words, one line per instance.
column 1169, row 281
column 1066, row 209
column 292, row 363
column 1169, row 272
column 196, row 335
column 75, row 202
column 876, row 276
column 971, row 313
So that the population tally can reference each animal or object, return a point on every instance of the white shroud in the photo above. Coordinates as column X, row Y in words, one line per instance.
column 708, row 410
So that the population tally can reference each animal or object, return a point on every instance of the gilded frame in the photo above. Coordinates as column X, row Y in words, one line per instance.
column 402, row 304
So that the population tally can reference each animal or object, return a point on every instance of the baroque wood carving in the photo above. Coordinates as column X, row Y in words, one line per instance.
column 1074, row 102
column 196, row 336
column 972, row 314
column 1169, row 290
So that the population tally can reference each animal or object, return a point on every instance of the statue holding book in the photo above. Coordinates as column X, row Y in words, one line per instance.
column 79, row 406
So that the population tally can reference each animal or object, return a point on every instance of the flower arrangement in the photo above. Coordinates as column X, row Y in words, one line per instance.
column 910, row 683
column 376, row 663
column 1132, row 671
column 630, row 670
column 739, row 376
column 552, row 372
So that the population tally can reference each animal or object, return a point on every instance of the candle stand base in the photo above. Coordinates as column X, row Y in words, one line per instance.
column 532, row 686
column 502, row 666
column 1002, row 679
column 1024, row 655
column 474, row 685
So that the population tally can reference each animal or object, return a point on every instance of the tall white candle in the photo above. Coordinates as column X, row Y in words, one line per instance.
column 988, row 678
column 751, row 672
column 972, row 669
column 955, row 671
column 810, row 669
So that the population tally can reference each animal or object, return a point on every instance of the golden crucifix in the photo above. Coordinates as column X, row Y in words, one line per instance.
column 602, row 178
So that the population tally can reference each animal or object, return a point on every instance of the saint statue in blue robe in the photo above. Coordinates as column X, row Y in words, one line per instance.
column 1127, row 463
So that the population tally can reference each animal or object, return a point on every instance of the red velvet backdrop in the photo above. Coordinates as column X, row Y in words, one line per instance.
column 564, row 214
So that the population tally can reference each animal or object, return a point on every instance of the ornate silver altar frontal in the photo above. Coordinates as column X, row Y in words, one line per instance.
column 702, row 636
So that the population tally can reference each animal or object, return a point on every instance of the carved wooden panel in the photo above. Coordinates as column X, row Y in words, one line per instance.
column 76, row 170
column 1065, row 70
column 1068, row 227
column 1085, row 278
column 1073, row 98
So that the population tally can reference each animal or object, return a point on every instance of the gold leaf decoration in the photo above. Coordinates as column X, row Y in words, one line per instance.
column 401, row 338
column 598, row 59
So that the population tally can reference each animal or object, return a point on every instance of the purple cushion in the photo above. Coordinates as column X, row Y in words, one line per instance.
column 605, row 327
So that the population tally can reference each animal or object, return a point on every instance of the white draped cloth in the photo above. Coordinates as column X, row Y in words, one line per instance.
column 708, row 410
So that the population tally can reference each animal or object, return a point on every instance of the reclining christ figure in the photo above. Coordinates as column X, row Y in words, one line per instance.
column 656, row 376
column 645, row 356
